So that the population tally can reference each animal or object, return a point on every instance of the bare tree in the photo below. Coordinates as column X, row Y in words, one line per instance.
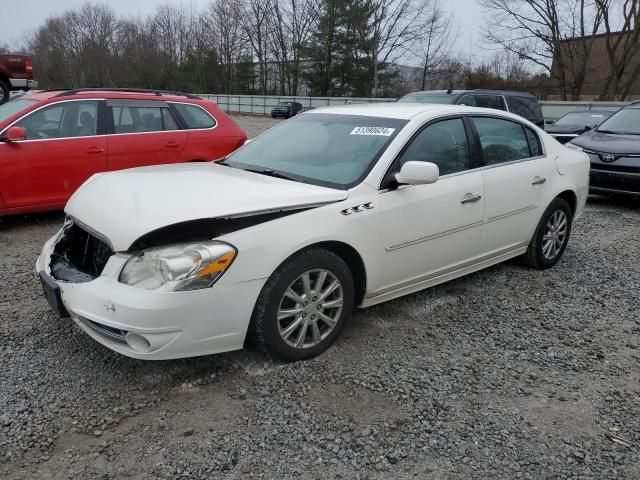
column 436, row 44
column 228, row 39
column 255, row 23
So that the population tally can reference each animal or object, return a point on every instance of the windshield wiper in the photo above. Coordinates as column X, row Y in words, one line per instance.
column 270, row 173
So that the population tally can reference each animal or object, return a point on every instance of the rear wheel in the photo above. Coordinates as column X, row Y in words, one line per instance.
column 4, row 92
column 551, row 236
column 304, row 306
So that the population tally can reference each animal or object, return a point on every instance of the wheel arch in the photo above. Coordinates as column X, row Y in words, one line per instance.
column 571, row 198
column 351, row 257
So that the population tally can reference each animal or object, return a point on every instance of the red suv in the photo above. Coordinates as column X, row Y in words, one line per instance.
column 51, row 142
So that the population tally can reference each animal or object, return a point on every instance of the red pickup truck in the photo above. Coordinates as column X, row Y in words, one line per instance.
column 16, row 73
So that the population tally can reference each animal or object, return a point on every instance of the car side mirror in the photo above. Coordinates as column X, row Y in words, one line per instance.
column 549, row 122
column 14, row 134
column 418, row 173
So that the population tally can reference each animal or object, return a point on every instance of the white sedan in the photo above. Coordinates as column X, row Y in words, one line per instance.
column 335, row 209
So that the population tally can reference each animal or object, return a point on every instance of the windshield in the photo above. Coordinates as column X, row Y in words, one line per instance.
column 624, row 122
column 582, row 118
column 14, row 106
column 427, row 98
column 322, row 149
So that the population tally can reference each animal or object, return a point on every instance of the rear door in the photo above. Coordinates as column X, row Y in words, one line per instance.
column 142, row 132
column 65, row 145
column 517, row 176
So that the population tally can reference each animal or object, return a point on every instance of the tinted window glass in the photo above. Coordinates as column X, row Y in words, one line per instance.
column 501, row 140
column 320, row 148
column 525, row 107
column 142, row 119
column 534, row 142
column 469, row 100
column 63, row 120
column 194, row 116
column 490, row 101
column 443, row 143
column 426, row 98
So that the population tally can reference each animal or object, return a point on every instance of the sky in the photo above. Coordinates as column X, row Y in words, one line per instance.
column 23, row 17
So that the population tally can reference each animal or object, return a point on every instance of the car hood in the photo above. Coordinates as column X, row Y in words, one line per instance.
column 122, row 206
column 609, row 143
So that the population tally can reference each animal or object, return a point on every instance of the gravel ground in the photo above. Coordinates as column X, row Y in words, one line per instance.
column 508, row 373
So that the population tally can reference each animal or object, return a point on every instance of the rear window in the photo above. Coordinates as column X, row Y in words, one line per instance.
column 427, row 98
column 194, row 117
column 526, row 107
column 14, row 106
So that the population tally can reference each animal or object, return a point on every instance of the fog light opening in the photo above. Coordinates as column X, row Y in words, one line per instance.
column 138, row 342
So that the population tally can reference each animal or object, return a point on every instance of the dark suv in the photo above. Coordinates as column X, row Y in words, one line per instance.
column 614, row 150
column 523, row 104
column 286, row 109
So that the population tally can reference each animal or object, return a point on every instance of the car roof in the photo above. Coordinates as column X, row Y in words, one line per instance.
column 405, row 111
column 477, row 90
column 132, row 94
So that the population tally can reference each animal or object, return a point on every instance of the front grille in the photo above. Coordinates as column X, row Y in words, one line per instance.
column 104, row 330
column 79, row 256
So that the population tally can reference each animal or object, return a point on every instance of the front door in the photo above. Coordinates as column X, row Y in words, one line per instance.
column 63, row 149
column 430, row 230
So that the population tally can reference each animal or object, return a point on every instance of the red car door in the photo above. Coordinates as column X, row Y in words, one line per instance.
column 63, row 148
column 142, row 133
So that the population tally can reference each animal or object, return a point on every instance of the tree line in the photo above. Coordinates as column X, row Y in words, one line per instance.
column 339, row 47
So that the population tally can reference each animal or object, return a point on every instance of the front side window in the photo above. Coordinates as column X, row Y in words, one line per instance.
column 320, row 148
column 443, row 143
column 130, row 119
column 194, row 116
column 62, row 120
column 490, row 101
column 502, row 140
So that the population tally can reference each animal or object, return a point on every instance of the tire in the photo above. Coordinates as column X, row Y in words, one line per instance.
column 540, row 255
column 268, row 333
column 4, row 92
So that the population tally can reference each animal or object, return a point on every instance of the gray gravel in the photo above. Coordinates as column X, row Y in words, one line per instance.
column 508, row 373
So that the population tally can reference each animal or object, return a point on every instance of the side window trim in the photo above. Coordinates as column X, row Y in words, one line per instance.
column 183, row 121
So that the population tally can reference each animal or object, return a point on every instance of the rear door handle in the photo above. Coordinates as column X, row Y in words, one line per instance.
column 538, row 181
column 172, row 144
column 470, row 198
column 95, row 150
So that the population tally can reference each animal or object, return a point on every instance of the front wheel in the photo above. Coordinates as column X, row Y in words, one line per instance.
column 551, row 236
column 304, row 306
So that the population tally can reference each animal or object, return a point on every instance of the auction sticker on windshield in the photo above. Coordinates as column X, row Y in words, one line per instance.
column 379, row 131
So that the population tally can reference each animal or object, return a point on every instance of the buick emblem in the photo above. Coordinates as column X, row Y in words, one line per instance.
column 607, row 157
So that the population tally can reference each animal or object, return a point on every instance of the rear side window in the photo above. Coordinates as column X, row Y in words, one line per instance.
column 490, row 101
column 501, row 140
column 526, row 107
column 194, row 117
column 142, row 119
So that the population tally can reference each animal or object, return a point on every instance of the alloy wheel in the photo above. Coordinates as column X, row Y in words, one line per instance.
column 310, row 308
column 555, row 235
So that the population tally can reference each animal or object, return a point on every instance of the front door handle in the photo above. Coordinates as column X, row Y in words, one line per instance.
column 538, row 181
column 95, row 150
column 172, row 144
column 470, row 198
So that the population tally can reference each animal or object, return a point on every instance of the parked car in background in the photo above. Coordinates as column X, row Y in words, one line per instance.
column 520, row 103
column 337, row 208
column 614, row 150
column 574, row 124
column 286, row 109
column 51, row 142
column 16, row 73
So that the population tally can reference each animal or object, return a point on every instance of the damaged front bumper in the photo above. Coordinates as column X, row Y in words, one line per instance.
column 148, row 324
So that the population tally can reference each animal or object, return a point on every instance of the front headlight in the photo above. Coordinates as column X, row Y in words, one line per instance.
column 178, row 268
column 573, row 146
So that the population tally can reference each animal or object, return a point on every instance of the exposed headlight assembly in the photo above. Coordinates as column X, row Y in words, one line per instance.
column 178, row 268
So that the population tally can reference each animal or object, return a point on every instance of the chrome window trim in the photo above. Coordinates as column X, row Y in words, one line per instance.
column 50, row 105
